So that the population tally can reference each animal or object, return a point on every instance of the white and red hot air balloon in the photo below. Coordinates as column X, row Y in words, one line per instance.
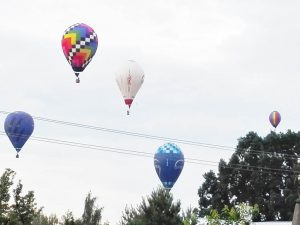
column 129, row 79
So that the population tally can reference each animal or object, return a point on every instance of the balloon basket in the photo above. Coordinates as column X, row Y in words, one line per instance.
column 17, row 156
column 77, row 81
column 168, row 190
column 128, row 112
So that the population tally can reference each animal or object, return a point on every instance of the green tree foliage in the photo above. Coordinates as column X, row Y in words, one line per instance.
column 190, row 217
column 92, row 214
column 214, row 218
column 23, row 209
column 241, row 214
column 157, row 209
column 69, row 219
column 41, row 219
column 6, row 181
column 211, row 194
column 244, row 179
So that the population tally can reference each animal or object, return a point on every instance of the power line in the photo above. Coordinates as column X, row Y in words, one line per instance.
column 155, row 137
column 262, row 168
column 135, row 134
column 150, row 155
column 259, row 171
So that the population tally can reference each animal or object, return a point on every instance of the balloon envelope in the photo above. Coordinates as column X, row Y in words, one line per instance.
column 79, row 44
column 129, row 79
column 275, row 118
column 168, row 163
column 18, row 127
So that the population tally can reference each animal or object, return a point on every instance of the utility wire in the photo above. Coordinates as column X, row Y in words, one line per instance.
column 260, row 171
column 135, row 134
column 148, row 136
column 150, row 155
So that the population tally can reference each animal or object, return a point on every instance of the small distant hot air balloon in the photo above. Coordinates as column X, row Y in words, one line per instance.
column 18, row 126
column 275, row 118
column 79, row 44
column 168, row 163
column 129, row 79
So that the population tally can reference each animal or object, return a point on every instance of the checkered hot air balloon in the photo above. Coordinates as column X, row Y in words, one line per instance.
column 168, row 163
column 275, row 118
column 79, row 44
column 130, row 78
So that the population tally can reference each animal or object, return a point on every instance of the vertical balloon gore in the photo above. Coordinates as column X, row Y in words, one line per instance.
column 275, row 118
column 168, row 163
column 18, row 126
column 79, row 44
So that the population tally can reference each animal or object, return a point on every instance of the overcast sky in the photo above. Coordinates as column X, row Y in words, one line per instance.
column 214, row 70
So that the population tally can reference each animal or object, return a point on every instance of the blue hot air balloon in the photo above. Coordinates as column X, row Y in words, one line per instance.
column 18, row 127
column 168, row 163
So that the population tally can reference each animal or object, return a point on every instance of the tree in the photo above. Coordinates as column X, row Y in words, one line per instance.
column 68, row 219
column 241, row 214
column 6, row 181
column 156, row 209
column 41, row 219
column 23, row 210
column 245, row 178
column 190, row 217
column 24, row 207
column 92, row 214
column 210, row 194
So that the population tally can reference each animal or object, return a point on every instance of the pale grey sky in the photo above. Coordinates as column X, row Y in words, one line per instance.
column 214, row 70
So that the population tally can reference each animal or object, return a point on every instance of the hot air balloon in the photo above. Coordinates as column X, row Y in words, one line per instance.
column 18, row 127
column 79, row 44
column 275, row 118
column 129, row 79
column 168, row 163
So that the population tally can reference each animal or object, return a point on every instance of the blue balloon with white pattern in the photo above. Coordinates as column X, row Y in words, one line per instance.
column 18, row 126
column 168, row 163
